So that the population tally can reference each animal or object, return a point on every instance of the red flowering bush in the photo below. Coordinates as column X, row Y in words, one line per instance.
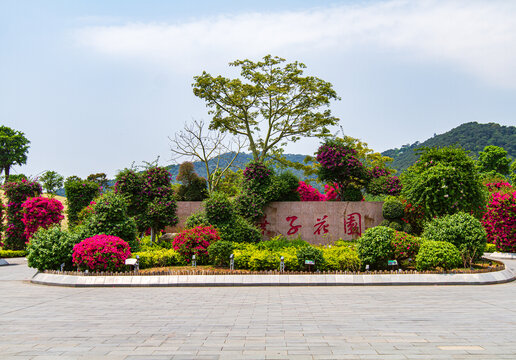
column 40, row 212
column 500, row 221
column 330, row 193
column 17, row 192
column 405, row 246
column 101, row 253
column 309, row 193
column 195, row 242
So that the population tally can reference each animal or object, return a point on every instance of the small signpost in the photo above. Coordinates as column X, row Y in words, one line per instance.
column 392, row 263
column 309, row 263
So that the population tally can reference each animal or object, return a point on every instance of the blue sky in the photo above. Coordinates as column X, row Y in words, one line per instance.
column 96, row 85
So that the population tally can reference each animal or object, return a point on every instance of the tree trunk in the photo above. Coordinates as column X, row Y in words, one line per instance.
column 153, row 235
column 6, row 171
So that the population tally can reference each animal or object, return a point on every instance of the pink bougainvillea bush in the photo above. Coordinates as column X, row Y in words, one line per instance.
column 40, row 212
column 101, row 253
column 500, row 221
column 499, row 186
column 309, row 193
column 195, row 242
column 405, row 246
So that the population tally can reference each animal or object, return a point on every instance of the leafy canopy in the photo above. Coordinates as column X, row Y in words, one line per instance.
column 270, row 105
column 494, row 158
column 13, row 149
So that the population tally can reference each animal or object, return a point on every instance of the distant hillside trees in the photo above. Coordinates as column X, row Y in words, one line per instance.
column 470, row 136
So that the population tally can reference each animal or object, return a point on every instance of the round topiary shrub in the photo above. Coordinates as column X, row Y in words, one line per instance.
column 218, row 209
column 101, row 253
column 438, row 254
column 40, row 212
column 500, row 221
column 374, row 247
column 196, row 219
column 195, row 241
column 393, row 209
column 220, row 251
column 462, row 230
column 240, row 230
column 313, row 254
column 49, row 248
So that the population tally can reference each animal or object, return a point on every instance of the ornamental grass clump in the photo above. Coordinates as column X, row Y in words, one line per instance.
column 40, row 212
column 500, row 221
column 195, row 241
column 101, row 253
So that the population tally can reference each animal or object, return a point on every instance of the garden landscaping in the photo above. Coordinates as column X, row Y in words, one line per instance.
column 432, row 225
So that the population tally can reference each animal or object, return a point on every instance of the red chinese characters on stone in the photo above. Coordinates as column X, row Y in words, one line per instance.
column 293, row 228
column 263, row 224
column 353, row 224
column 321, row 226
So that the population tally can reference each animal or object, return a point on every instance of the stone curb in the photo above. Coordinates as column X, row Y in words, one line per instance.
column 500, row 255
column 497, row 277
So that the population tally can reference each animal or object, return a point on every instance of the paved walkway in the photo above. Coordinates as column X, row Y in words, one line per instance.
column 375, row 322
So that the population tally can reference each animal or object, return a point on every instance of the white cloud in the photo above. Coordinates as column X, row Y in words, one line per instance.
column 476, row 37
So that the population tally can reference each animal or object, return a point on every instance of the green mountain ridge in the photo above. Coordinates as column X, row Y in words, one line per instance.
column 471, row 136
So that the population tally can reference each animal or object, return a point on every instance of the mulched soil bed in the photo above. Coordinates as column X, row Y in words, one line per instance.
column 484, row 267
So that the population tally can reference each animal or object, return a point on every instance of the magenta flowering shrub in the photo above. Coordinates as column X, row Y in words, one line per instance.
column 17, row 193
column 497, row 186
column 256, row 171
column 309, row 193
column 340, row 165
column 101, row 253
column 2, row 212
column 40, row 212
column 195, row 242
column 405, row 246
column 330, row 193
column 500, row 221
column 377, row 172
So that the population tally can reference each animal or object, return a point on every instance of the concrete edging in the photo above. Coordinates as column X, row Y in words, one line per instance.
column 497, row 277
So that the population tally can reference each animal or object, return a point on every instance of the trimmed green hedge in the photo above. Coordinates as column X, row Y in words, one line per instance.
column 4, row 254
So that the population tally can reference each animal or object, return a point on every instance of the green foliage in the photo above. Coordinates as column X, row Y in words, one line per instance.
column 437, row 254
column 218, row 209
column 405, row 246
column 310, row 253
column 159, row 257
column 471, row 136
column 150, row 197
column 110, row 218
column 444, row 181
column 494, row 158
column 341, row 258
column 51, row 181
column 281, row 242
column 17, row 178
column 79, row 194
column 14, row 147
column 220, row 251
column 49, row 248
column 490, row 248
column 462, row 230
column 269, row 94
column 193, row 187
column 230, row 183
column 4, row 254
column 99, row 178
column 374, row 247
column 239, row 230
column 393, row 209
column 250, row 205
column 284, row 187
column 196, row 219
